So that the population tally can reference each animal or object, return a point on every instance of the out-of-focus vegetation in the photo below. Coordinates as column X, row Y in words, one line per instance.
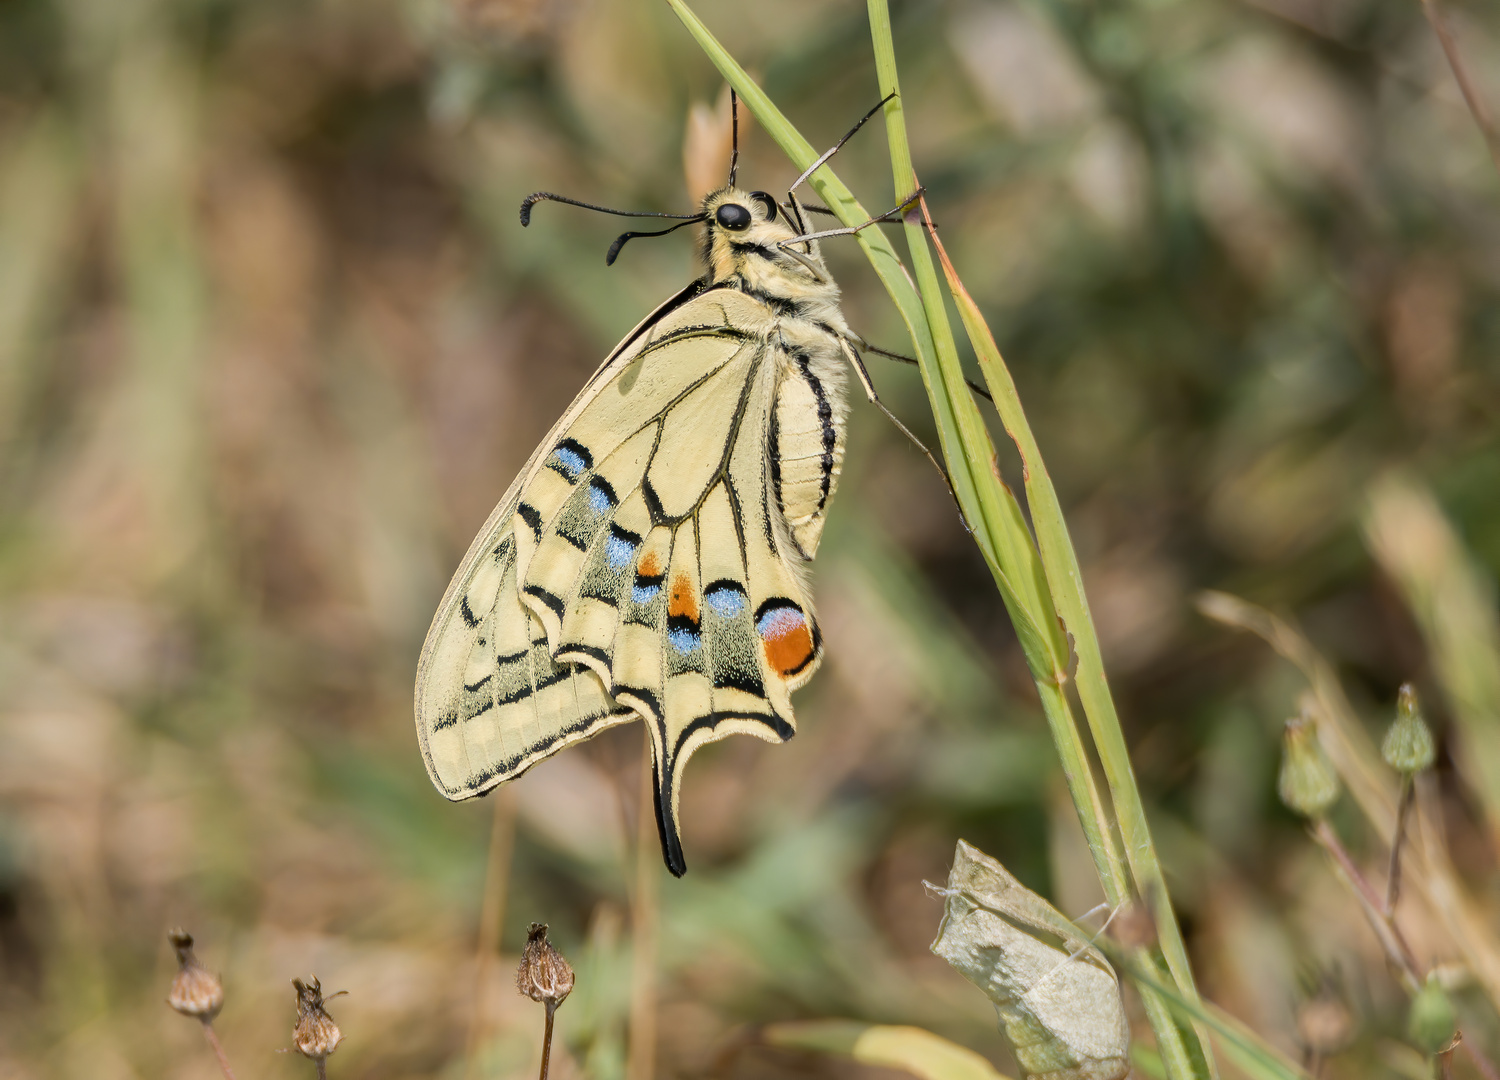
column 272, row 343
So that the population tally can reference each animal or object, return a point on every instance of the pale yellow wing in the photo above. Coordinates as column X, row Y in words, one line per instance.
column 633, row 569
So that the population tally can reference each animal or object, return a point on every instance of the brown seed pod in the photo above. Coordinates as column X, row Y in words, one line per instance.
column 196, row 991
column 316, row 1035
column 543, row 975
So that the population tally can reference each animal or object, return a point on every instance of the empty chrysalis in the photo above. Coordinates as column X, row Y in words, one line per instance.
column 1059, row 1004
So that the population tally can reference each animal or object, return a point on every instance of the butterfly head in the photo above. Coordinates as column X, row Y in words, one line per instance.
column 746, row 235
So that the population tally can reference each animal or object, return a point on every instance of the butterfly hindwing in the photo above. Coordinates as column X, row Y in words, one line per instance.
column 508, row 703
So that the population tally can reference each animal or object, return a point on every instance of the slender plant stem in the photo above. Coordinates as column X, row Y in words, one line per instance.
column 1396, row 949
column 491, row 917
column 1485, row 1066
column 322, row 1068
column 218, row 1049
column 643, row 916
column 1393, row 873
column 1465, row 85
column 1384, row 924
column 547, row 1039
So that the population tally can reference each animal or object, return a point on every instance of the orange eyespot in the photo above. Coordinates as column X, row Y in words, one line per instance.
column 682, row 603
column 786, row 636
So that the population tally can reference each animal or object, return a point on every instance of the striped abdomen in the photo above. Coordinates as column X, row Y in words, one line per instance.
column 807, row 440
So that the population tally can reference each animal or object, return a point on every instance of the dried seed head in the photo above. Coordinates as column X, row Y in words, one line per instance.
column 543, row 975
column 316, row 1035
column 196, row 991
column 1308, row 783
column 1430, row 1023
column 1408, row 745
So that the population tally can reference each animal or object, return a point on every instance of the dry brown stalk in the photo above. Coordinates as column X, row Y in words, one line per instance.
column 643, row 914
column 1472, row 99
column 491, row 916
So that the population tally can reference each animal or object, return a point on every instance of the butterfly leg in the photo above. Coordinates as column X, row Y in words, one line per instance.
column 858, row 364
column 893, row 214
column 912, row 361
column 791, row 194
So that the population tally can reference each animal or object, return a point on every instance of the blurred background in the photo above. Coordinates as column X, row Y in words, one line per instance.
column 273, row 343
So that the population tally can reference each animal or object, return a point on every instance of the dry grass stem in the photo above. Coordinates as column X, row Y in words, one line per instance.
column 1397, row 951
column 1393, row 871
column 218, row 1049
column 491, row 917
column 1472, row 98
column 643, row 918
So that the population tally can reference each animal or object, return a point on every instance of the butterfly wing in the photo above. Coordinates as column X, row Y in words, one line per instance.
column 636, row 568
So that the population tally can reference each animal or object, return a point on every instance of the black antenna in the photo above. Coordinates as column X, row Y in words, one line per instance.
column 621, row 240
column 624, row 238
column 547, row 196
column 734, row 129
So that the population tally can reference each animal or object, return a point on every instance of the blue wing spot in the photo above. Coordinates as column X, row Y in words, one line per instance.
column 725, row 599
column 779, row 622
column 601, row 497
column 570, row 458
column 619, row 552
column 683, row 639
column 644, row 594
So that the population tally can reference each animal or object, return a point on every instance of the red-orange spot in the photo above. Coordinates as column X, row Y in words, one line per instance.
column 788, row 641
column 650, row 565
column 682, row 602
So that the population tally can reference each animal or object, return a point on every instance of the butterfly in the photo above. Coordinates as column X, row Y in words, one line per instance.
column 651, row 560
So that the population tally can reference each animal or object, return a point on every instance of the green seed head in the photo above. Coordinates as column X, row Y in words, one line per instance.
column 1408, row 745
column 1308, row 783
column 1430, row 1024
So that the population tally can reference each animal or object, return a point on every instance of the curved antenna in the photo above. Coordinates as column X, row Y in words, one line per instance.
column 624, row 238
column 547, row 196
column 734, row 135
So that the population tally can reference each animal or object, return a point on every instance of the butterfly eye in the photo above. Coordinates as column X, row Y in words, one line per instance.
column 733, row 216
column 767, row 202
